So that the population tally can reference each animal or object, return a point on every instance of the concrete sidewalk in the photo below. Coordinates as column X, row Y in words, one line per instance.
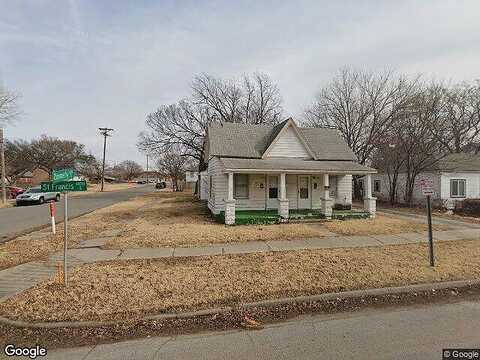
column 404, row 332
column 21, row 277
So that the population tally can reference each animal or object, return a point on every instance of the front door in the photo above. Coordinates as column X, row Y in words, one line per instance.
column 272, row 192
column 304, row 192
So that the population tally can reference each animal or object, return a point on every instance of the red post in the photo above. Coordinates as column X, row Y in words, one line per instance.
column 53, row 212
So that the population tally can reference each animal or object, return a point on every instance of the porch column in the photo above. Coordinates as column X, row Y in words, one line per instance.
column 230, row 202
column 325, row 197
column 282, row 200
column 369, row 202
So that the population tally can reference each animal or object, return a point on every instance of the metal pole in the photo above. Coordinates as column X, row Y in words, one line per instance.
column 2, row 160
column 65, row 237
column 147, row 168
column 104, row 132
column 430, row 235
column 103, row 162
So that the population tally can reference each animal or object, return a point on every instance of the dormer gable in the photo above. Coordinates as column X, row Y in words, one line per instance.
column 289, row 143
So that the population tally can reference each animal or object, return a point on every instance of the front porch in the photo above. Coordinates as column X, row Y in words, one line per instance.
column 277, row 197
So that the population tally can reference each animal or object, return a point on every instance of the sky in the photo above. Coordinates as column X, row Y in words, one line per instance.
column 83, row 64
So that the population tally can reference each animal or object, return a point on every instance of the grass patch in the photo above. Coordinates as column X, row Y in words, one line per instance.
column 120, row 290
column 378, row 226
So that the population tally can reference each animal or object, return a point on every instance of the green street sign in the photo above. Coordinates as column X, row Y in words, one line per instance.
column 61, row 186
column 63, row 174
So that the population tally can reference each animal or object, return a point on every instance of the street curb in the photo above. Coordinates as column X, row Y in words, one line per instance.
column 339, row 296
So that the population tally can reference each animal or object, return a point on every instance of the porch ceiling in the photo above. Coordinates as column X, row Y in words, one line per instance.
column 289, row 165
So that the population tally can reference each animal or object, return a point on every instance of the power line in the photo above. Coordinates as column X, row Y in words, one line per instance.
column 105, row 132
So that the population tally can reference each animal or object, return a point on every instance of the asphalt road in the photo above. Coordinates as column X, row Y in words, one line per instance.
column 415, row 332
column 18, row 219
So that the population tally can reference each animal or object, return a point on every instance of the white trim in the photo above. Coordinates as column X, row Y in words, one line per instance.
column 268, row 171
column 289, row 122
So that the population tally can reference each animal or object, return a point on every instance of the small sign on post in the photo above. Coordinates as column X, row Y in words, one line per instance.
column 62, row 181
column 427, row 190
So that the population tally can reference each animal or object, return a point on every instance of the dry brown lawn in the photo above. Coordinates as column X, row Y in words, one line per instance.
column 167, row 219
column 378, row 226
column 95, row 188
column 132, row 288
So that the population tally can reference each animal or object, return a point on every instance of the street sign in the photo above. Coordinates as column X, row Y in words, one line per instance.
column 427, row 186
column 62, row 186
column 63, row 175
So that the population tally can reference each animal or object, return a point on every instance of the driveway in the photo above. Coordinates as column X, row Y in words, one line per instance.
column 17, row 220
column 415, row 332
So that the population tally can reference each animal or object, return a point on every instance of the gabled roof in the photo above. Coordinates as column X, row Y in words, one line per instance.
column 251, row 141
column 280, row 129
column 458, row 162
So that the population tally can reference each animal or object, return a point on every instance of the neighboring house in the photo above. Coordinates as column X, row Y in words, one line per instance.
column 203, row 185
column 280, row 167
column 455, row 177
column 191, row 178
column 33, row 177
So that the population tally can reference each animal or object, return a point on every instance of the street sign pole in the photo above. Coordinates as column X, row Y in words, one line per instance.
column 65, row 237
column 430, row 235
column 2, row 164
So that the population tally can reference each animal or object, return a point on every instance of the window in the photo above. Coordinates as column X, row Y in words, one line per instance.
column 458, row 188
column 377, row 186
column 273, row 187
column 240, row 186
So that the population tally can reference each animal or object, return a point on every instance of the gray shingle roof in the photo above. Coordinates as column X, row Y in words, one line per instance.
column 289, row 164
column 458, row 162
column 250, row 141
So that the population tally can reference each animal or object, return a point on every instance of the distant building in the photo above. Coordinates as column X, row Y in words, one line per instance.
column 455, row 178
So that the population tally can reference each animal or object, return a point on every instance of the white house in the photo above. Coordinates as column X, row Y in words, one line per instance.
column 283, row 167
column 455, row 177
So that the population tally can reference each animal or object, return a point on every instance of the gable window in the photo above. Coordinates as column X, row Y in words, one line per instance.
column 377, row 186
column 273, row 187
column 458, row 188
column 240, row 186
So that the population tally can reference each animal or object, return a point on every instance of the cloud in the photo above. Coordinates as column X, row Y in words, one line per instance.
column 85, row 64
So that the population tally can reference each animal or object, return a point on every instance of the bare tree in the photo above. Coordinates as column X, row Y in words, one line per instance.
column 457, row 127
column 128, row 170
column 181, row 126
column 8, row 106
column 362, row 106
column 49, row 153
column 255, row 99
column 420, row 148
column 90, row 167
column 17, row 159
column 172, row 165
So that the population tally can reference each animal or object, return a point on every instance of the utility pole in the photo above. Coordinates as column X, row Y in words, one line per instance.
column 105, row 133
column 2, row 160
column 147, row 168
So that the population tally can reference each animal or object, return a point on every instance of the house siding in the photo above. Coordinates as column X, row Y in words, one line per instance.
column 288, row 145
column 216, row 201
column 343, row 189
column 472, row 185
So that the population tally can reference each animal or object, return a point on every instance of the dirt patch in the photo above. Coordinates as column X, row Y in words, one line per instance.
column 380, row 225
column 131, row 289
